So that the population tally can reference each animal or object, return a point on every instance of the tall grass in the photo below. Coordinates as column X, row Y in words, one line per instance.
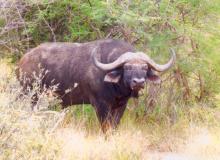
column 74, row 133
column 185, row 116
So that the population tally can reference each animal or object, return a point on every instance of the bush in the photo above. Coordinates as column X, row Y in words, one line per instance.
column 152, row 26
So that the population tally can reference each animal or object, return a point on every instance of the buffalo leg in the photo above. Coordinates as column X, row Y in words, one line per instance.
column 108, row 116
column 104, row 116
column 103, row 113
column 112, row 118
column 116, row 115
column 109, row 119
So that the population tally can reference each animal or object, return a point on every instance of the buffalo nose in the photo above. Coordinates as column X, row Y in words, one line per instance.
column 138, row 81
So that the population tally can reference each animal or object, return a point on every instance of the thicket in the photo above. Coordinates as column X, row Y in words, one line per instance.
column 186, row 98
column 191, row 27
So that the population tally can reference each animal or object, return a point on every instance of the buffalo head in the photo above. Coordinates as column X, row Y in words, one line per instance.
column 133, row 68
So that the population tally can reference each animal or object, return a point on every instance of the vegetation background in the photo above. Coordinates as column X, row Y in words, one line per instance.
column 181, row 115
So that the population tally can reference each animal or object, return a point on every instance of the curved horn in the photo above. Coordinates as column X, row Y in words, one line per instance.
column 159, row 67
column 131, row 56
column 118, row 62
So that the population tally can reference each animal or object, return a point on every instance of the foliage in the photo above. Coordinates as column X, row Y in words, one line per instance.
column 190, row 27
column 187, row 95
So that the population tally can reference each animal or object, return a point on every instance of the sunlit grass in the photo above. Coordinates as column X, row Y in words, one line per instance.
column 75, row 133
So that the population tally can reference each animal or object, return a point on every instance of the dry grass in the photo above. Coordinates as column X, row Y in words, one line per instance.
column 42, row 134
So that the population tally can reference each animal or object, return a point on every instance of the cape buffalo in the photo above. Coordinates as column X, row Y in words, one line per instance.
column 108, row 72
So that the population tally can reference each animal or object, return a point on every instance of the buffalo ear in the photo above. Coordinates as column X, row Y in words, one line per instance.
column 152, row 77
column 113, row 77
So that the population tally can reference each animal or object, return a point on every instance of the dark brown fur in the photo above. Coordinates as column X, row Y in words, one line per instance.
column 70, row 63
